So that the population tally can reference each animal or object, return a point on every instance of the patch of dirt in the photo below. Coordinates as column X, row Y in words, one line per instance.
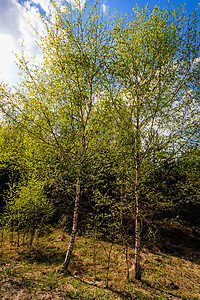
column 10, row 291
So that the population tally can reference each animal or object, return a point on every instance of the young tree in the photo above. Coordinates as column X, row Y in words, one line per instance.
column 155, row 90
column 27, row 207
column 56, row 100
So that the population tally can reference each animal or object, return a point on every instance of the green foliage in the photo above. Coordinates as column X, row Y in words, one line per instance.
column 27, row 207
column 182, row 189
column 105, row 120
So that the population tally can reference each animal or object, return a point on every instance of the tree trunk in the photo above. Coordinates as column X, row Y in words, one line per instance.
column 108, row 254
column 137, row 247
column 137, row 209
column 94, row 260
column 2, row 237
column 18, row 235
column 123, row 234
column 75, row 220
column 32, row 237
column 137, row 229
column 127, row 262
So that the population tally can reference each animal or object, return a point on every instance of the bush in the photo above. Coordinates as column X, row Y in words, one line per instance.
column 27, row 208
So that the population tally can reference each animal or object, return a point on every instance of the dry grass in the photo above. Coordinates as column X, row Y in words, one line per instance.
column 37, row 273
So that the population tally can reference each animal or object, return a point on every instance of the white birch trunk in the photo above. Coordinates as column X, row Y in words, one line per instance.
column 75, row 221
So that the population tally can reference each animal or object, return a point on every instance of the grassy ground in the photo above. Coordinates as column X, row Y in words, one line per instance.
column 170, row 273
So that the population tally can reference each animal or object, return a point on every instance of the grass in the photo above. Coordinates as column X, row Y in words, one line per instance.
column 37, row 273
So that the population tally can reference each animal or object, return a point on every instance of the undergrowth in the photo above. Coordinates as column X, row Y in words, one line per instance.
column 37, row 273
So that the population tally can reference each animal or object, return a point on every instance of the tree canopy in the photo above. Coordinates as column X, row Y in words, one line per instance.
column 111, row 93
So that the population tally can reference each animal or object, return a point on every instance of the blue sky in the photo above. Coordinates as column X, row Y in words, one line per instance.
column 127, row 5
column 15, row 16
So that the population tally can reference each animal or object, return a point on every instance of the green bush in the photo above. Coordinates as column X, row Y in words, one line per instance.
column 27, row 208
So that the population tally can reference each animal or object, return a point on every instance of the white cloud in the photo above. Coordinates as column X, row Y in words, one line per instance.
column 79, row 3
column 9, row 17
column 17, row 20
column 30, row 19
column 196, row 61
column 6, row 56
column 45, row 5
column 82, row 2
column 105, row 8
column 15, row 28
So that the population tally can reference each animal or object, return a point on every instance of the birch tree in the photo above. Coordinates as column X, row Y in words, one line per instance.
column 155, row 91
column 55, row 101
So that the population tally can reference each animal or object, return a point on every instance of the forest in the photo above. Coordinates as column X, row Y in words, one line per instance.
column 100, row 139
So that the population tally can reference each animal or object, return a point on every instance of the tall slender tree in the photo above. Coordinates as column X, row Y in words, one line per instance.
column 56, row 100
column 155, row 90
